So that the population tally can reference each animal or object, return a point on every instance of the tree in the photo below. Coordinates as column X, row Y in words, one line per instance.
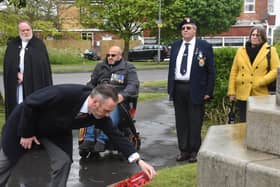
column 40, row 13
column 8, row 26
column 43, row 10
column 130, row 17
column 16, row 3
column 125, row 18
column 212, row 16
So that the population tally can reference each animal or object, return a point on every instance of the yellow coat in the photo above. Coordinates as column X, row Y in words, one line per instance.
column 248, row 79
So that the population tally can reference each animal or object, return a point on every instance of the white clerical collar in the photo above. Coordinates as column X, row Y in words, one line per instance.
column 24, row 43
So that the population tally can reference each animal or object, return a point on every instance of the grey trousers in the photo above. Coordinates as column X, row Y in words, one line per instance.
column 5, row 168
column 60, row 164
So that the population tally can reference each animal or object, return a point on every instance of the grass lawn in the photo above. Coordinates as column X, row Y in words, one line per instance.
column 177, row 176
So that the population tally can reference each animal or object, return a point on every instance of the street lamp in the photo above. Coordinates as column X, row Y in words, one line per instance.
column 159, row 24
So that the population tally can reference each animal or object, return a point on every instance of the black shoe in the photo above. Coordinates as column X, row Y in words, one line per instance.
column 193, row 158
column 183, row 156
column 99, row 147
column 87, row 145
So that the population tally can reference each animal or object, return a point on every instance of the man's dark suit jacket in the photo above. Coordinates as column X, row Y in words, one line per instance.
column 202, row 76
column 51, row 113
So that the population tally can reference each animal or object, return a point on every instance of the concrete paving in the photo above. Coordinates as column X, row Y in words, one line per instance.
column 155, row 122
column 225, row 160
column 244, row 155
column 263, row 130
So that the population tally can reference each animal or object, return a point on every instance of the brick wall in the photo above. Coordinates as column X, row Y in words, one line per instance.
column 260, row 12
column 69, row 17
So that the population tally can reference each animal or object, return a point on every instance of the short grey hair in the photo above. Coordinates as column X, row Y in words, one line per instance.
column 105, row 91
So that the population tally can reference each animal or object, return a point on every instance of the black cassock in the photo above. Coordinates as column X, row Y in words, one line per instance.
column 37, row 71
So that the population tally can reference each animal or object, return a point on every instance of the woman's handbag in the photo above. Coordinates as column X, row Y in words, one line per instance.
column 231, row 114
column 272, row 86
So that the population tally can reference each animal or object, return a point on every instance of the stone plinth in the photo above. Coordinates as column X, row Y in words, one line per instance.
column 225, row 161
column 263, row 124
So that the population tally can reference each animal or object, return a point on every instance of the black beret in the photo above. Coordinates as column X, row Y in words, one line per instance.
column 187, row 20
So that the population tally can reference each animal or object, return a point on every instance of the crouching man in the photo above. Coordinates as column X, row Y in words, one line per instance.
column 48, row 116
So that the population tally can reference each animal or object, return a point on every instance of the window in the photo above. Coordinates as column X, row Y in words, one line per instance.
column 249, row 6
column 270, row 7
column 86, row 36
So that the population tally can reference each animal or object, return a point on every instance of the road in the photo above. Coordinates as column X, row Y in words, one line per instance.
column 82, row 78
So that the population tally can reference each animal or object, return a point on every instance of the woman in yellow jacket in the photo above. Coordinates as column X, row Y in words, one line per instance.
column 249, row 75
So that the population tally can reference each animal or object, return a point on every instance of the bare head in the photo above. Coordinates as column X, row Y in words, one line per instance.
column 114, row 54
column 25, row 30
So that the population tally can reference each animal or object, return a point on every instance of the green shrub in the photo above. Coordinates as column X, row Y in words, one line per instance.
column 2, row 52
column 277, row 45
column 65, row 56
column 216, row 110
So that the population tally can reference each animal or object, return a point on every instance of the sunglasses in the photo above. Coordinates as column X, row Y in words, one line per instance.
column 110, row 55
column 186, row 28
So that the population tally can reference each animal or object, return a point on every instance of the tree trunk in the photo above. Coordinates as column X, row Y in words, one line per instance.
column 126, row 47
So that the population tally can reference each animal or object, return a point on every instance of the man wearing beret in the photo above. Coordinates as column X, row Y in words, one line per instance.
column 191, row 79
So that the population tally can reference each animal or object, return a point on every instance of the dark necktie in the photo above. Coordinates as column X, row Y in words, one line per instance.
column 184, row 63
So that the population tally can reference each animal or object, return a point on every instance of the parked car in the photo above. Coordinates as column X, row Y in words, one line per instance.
column 91, row 55
column 148, row 52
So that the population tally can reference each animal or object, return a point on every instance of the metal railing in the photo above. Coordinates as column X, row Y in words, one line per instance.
column 228, row 41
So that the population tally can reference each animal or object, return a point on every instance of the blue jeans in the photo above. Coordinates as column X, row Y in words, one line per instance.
column 102, row 137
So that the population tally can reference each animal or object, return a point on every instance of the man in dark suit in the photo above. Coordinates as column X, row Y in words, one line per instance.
column 191, row 80
column 48, row 116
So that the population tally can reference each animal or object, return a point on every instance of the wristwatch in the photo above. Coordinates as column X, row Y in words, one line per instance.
column 137, row 161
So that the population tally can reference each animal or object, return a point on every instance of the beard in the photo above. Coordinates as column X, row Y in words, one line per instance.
column 26, row 38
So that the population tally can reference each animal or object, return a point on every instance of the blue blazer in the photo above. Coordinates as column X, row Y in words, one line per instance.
column 202, row 76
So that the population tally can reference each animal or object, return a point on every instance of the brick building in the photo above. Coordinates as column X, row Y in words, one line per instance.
column 255, row 12
column 69, row 18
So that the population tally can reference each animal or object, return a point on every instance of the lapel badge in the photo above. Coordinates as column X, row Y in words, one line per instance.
column 201, row 62
column 201, row 59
